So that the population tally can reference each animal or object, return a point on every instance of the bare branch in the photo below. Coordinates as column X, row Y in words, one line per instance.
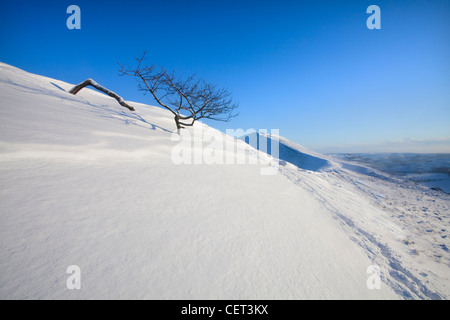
column 90, row 82
column 194, row 97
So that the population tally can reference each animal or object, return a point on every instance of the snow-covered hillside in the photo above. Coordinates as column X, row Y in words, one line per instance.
column 86, row 182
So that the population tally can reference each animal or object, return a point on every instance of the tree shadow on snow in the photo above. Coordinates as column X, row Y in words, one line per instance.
column 129, row 118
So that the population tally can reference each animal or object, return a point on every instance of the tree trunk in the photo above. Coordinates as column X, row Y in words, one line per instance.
column 177, row 121
column 90, row 82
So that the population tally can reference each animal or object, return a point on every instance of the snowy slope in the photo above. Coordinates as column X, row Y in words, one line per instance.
column 86, row 182
column 402, row 226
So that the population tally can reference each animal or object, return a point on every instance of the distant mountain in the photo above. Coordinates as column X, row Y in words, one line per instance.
column 145, row 214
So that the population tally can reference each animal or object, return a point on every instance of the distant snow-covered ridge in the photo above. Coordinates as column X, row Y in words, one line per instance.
column 303, row 158
column 431, row 170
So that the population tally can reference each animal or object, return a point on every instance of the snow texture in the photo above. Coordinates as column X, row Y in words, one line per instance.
column 85, row 182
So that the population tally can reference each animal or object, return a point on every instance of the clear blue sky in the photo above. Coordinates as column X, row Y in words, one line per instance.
column 311, row 69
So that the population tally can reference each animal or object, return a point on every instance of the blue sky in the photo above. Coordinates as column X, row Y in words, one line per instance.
column 311, row 69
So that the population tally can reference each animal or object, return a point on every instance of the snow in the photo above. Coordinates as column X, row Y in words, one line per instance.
column 87, row 182
column 431, row 170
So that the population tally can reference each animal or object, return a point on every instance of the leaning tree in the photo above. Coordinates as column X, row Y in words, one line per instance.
column 188, row 99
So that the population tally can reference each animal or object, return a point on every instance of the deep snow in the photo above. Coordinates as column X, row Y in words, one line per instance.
column 86, row 182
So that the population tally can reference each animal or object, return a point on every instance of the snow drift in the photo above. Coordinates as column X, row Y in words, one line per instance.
column 85, row 182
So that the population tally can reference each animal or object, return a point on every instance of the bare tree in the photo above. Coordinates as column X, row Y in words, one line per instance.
column 90, row 82
column 188, row 100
